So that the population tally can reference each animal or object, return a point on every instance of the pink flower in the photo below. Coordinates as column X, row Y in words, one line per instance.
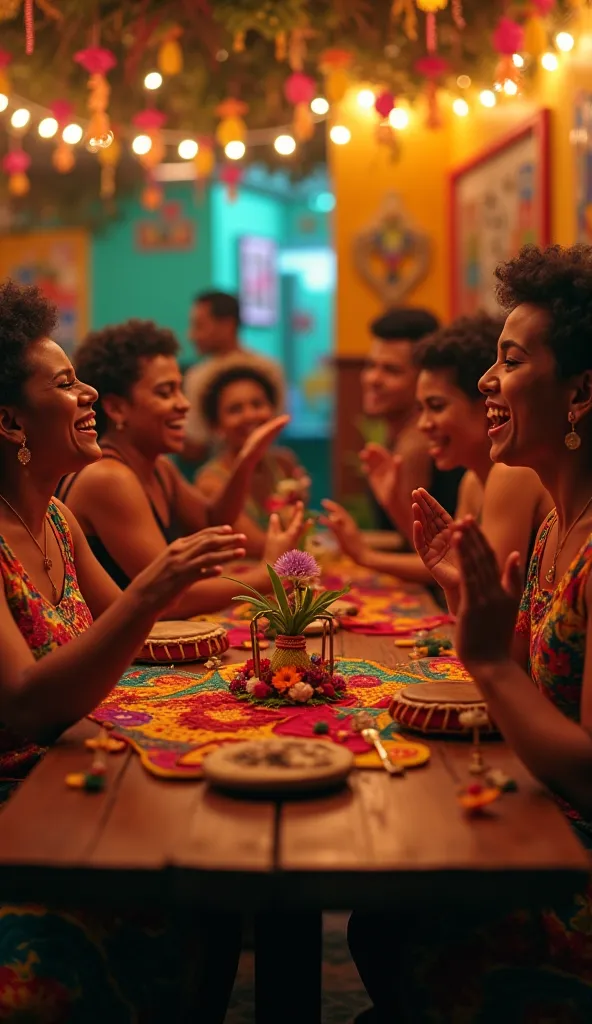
column 300, row 692
column 327, row 689
column 262, row 690
column 297, row 565
column 253, row 684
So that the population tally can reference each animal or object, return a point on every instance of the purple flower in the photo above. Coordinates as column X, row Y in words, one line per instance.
column 298, row 566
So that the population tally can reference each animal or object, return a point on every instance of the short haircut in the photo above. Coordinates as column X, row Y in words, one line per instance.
column 223, row 306
column 559, row 280
column 210, row 400
column 26, row 316
column 111, row 360
column 404, row 324
column 468, row 346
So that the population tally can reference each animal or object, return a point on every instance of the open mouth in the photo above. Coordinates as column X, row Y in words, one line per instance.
column 437, row 448
column 497, row 417
column 87, row 425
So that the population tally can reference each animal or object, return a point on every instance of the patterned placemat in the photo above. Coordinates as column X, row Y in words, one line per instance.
column 173, row 719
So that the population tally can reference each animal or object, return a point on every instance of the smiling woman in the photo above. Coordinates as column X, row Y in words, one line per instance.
column 135, row 502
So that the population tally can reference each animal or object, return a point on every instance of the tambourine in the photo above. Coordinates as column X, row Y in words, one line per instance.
column 436, row 708
column 172, row 642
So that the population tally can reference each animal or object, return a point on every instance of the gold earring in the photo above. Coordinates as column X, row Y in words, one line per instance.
column 119, row 425
column 573, row 439
column 24, row 453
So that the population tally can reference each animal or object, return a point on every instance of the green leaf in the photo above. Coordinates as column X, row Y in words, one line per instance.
column 280, row 594
column 241, row 583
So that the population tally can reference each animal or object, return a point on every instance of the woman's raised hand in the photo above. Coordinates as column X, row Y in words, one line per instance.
column 281, row 539
column 432, row 536
column 200, row 556
column 381, row 468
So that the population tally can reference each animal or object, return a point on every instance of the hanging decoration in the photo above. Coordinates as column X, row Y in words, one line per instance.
column 151, row 122
column 232, row 127
column 334, row 65
column 5, row 62
column 297, row 47
column 108, row 159
column 268, row 18
column 63, row 157
column 97, row 61
column 535, row 29
column 15, row 164
column 430, row 9
column 169, row 57
column 9, row 9
column 405, row 10
column 508, row 39
column 204, row 162
column 231, row 176
column 384, row 103
column 432, row 68
column 299, row 90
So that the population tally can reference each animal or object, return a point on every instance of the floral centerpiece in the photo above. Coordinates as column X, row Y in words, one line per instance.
column 295, row 603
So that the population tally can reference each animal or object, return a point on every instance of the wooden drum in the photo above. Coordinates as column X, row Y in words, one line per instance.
column 171, row 642
column 435, row 708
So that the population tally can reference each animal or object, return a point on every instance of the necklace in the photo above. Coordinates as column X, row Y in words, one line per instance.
column 47, row 562
column 550, row 574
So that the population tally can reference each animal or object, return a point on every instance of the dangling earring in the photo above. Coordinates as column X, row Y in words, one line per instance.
column 573, row 439
column 119, row 425
column 24, row 453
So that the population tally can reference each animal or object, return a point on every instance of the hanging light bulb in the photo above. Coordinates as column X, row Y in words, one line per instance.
column 564, row 41
column 153, row 80
column 141, row 145
column 517, row 60
column 284, row 145
column 235, row 150
column 48, row 127
column 399, row 119
column 487, row 98
column 366, row 99
column 510, row 87
column 72, row 134
column 319, row 106
column 463, row 81
column 20, row 118
column 460, row 107
column 3, row 102
column 340, row 135
column 188, row 149
column 549, row 61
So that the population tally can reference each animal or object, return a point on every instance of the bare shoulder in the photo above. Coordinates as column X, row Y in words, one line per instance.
column 106, row 484
column 470, row 496
column 508, row 481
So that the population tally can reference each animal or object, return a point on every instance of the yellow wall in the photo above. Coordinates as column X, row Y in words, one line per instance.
column 363, row 172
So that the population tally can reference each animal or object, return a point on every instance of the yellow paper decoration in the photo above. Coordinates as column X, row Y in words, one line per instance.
column 204, row 163
column 169, row 57
column 432, row 6
column 336, row 85
column 18, row 184
column 406, row 10
column 108, row 159
column 304, row 125
column 231, row 129
column 535, row 36
column 63, row 158
column 9, row 9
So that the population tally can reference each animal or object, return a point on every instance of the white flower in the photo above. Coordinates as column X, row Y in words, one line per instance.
column 213, row 662
column 252, row 684
column 300, row 692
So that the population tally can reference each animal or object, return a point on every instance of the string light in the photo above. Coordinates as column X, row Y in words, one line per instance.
column 188, row 149
column 3, row 102
column 340, row 135
column 284, row 145
column 366, row 99
column 487, row 98
column 549, row 62
column 319, row 106
column 141, row 145
column 460, row 107
column 20, row 118
column 398, row 118
column 235, row 150
column 517, row 60
column 72, row 134
column 48, row 127
column 564, row 41
column 153, row 80
column 463, row 82
column 510, row 87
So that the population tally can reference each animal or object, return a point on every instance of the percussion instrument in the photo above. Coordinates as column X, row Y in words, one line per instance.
column 278, row 765
column 436, row 708
column 171, row 642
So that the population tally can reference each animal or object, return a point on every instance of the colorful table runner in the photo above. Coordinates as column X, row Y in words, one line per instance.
column 173, row 719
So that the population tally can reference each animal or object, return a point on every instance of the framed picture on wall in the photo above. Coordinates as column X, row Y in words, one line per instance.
column 499, row 202
column 258, row 281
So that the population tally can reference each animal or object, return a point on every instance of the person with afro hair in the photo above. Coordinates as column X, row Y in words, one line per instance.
column 529, row 650
column 134, row 501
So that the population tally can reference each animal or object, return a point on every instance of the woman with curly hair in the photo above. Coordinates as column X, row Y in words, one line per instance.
column 236, row 400
column 67, row 634
column 453, row 417
column 133, row 502
column 531, row 965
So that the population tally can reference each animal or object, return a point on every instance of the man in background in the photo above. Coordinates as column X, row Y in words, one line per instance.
column 388, row 382
column 214, row 331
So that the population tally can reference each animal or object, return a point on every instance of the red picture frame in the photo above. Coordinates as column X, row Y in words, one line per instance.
column 499, row 200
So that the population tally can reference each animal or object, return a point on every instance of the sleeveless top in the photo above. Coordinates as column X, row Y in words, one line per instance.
column 555, row 624
column 258, row 513
column 444, row 484
column 44, row 626
column 102, row 555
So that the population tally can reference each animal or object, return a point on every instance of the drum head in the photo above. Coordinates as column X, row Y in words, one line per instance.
column 182, row 629
column 442, row 693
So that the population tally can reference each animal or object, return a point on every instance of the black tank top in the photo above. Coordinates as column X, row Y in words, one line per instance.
column 443, row 487
column 170, row 533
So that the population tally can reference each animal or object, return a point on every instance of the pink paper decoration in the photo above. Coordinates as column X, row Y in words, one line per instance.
column 508, row 37
column 96, row 60
column 431, row 67
column 5, row 58
column 299, row 88
column 544, row 7
column 384, row 103
column 62, row 110
column 149, row 120
column 16, row 162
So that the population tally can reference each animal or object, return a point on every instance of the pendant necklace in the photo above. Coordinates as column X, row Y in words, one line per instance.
column 47, row 562
column 550, row 573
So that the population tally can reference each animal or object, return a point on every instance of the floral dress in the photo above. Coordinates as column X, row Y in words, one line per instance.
column 62, row 966
column 527, row 967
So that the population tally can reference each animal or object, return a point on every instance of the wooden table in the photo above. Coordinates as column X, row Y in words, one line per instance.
column 382, row 842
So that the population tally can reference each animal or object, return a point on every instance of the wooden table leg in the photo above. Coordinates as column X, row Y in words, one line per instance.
column 288, row 964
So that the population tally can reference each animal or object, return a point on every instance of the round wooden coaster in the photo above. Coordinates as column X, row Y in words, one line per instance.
column 278, row 765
